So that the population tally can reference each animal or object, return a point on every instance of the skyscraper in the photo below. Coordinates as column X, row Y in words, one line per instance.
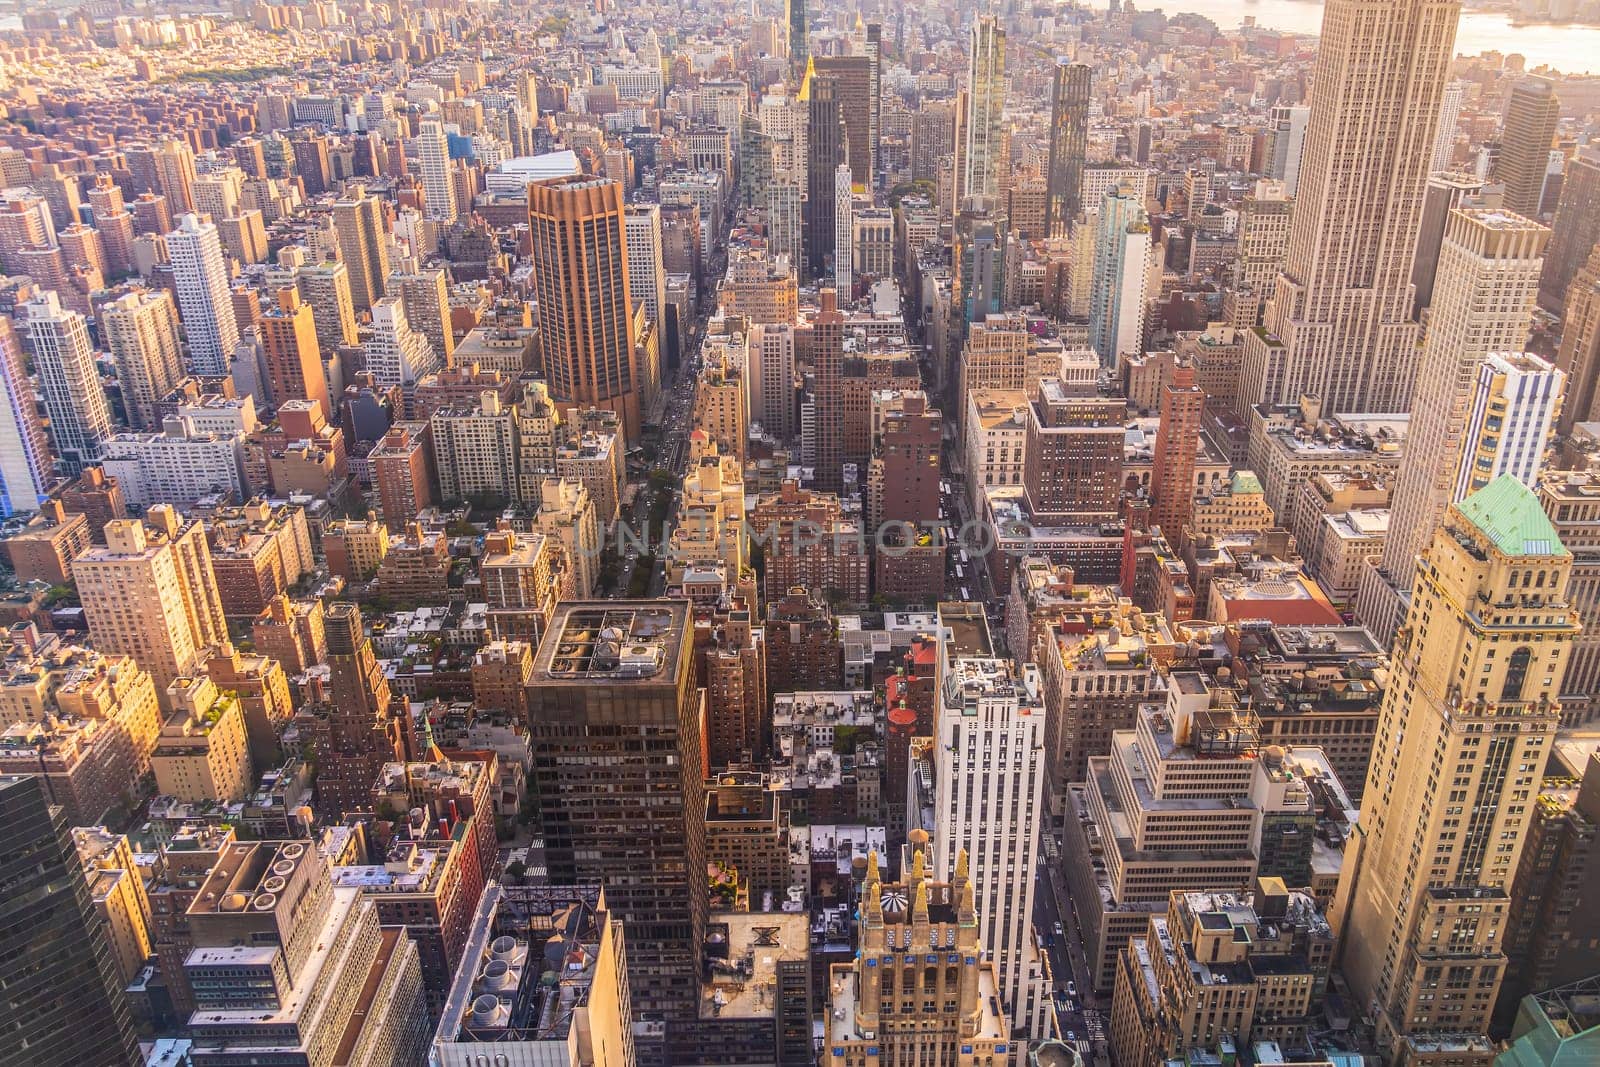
column 1121, row 266
column 1467, row 721
column 80, row 420
column 1263, row 242
column 853, row 79
column 799, row 40
column 1445, row 193
column 326, row 287
column 356, row 730
column 986, row 100
column 827, row 361
column 294, row 358
column 1069, row 141
column 201, row 276
column 24, row 447
column 1341, row 312
column 397, row 353
column 1574, row 232
column 826, row 148
column 991, row 715
column 426, row 296
column 1177, row 438
column 1532, row 111
column 874, row 50
column 438, row 181
column 647, row 274
column 1444, row 141
column 1489, row 265
column 614, row 716
column 141, row 330
column 363, row 245
column 63, row 1001
column 844, row 224
column 580, row 278
column 149, row 593
column 1286, row 144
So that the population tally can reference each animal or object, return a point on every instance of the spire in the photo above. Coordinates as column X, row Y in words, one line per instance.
column 961, row 865
column 917, row 872
column 873, row 912
column 968, row 912
column 919, row 910
column 872, row 867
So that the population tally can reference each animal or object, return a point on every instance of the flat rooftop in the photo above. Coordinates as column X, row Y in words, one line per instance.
column 744, row 984
column 613, row 641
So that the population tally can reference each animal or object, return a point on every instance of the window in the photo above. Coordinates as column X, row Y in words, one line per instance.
column 1516, row 674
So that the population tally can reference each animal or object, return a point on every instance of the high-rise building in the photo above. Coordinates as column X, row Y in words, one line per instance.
column 873, row 47
column 1488, row 269
column 438, row 179
column 294, row 358
column 647, row 274
column 1121, row 270
column 1177, row 441
column 80, row 419
column 991, row 716
column 1069, row 142
column 141, row 330
column 1510, row 417
column 353, row 725
column 844, row 223
column 853, row 77
column 1532, row 111
column 1467, row 721
column 1073, row 464
column 427, row 299
column 397, row 353
column 1444, row 141
column 363, row 245
column 1286, row 144
column 150, row 593
column 1341, row 313
column 1446, row 191
column 1574, row 232
column 326, row 287
column 983, row 165
column 799, row 39
column 24, row 447
column 615, row 713
column 771, row 377
column 827, row 360
column 1263, row 242
column 897, row 997
column 64, row 1003
column 200, row 275
column 1579, row 354
column 826, row 148
column 580, row 276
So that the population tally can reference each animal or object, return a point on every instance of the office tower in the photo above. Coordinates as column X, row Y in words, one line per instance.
column 141, row 330
column 874, row 51
column 397, row 354
column 1574, row 232
column 80, row 419
column 200, row 274
column 844, row 223
column 1468, row 717
column 903, row 998
column 786, row 221
column 168, row 169
column 1489, row 265
column 1121, row 270
column 1341, row 312
column 285, row 960
column 981, row 127
column 1073, row 465
column 772, row 392
column 978, row 256
column 583, row 1018
column 1177, row 439
column 1532, row 111
column 294, row 358
column 401, row 472
column 25, row 472
column 427, row 300
column 647, row 275
column 64, row 1003
column 1510, row 416
column 1444, row 142
column 1263, row 243
column 826, row 148
column 1069, row 142
column 438, row 179
column 1215, row 971
column 363, row 244
column 1579, row 355
column 149, row 593
column 356, row 728
column 799, row 41
column 1445, row 192
column 827, row 360
column 326, row 287
column 853, row 79
column 580, row 279
column 1286, row 140
column 81, row 247
column 615, row 714
column 991, row 716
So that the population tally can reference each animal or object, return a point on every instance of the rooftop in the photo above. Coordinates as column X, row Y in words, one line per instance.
column 744, row 950
column 1509, row 514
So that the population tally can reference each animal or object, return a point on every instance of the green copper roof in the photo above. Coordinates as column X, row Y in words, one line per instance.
column 1510, row 515
column 1245, row 483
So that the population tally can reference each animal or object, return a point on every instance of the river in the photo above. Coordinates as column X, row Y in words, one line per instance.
column 1569, row 49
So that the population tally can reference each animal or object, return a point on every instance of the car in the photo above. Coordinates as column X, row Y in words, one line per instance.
column 1059, row 931
column 1072, row 988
